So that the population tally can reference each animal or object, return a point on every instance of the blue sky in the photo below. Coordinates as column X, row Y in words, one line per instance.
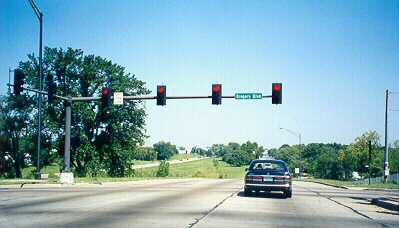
column 335, row 59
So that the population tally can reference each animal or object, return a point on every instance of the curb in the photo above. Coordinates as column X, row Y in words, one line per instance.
column 382, row 189
column 386, row 203
column 331, row 185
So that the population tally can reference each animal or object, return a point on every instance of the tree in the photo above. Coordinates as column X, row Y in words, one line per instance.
column 145, row 153
column 359, row 152
column 218, row 150
column 253, row 149
column 96, row 143
column 165, row 150
column 394, row 157
column 202, row 152
column 238, row 155
column 16, row 133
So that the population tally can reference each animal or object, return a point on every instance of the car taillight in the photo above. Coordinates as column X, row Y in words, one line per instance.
column 254, row 178
column 282, row 178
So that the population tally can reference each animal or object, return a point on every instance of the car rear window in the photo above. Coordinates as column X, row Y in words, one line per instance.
column 268, row 166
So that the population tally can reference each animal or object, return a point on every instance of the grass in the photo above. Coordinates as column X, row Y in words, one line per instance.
column 183, row 156
column 141, row 162
column 29, row 172
column 206, row 168
column 353, row 184
column 179, row 157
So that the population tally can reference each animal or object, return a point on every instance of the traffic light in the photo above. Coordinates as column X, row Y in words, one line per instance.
column 19, row 78
column 52, row 89
column 217, row 94
column 277, row 90
column 161, row 95
column 106, row 97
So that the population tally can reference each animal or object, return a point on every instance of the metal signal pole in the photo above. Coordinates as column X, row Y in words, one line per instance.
column 39, row 95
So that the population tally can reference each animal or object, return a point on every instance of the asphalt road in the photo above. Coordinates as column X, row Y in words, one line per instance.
column 188, row 203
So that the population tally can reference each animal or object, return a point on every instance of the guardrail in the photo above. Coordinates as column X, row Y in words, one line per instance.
column 375, row 180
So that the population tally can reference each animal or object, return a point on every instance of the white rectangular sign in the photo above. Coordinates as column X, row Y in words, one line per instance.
column 118, row 98
column 386, row 172
column 296, row 170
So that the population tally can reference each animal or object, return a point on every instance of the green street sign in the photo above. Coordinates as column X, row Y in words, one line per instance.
column 248, row 96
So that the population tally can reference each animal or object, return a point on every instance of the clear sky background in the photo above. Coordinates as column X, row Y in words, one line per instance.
column 335, row 58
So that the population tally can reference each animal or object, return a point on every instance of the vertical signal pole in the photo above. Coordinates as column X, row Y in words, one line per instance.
column 39, row 108
column 39, row 95
column 66, row 176
column 386, row 167
column 67, row 152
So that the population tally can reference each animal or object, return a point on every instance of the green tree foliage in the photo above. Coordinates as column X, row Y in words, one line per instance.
column 218, row 150
column 145, row 154
column 236, row 154
column 164, row 150
column 97, row 144
column 394, row 157
column 359, row 152
column 163, row 170
column 17, row 133
column 202, row 152
column 336, row 161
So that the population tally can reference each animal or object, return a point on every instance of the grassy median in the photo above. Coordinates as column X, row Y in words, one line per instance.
column 205, row 168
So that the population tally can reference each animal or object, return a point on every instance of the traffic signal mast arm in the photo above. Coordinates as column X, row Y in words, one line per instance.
column 134, row 98
column 41, row 92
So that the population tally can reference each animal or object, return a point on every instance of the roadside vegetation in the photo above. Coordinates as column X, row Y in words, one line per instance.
column 341, row 183
column 340, row 162
column 108, row 141
column 205, row 168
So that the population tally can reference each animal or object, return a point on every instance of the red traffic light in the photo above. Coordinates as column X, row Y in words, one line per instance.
column 161, row 89
column 277, row 91
column 216, row 94
column 216, row 88
column 277, row 87
column 161, row 95
column 106, row 91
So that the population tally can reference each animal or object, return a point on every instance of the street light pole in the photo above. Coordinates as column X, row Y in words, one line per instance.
column 299, row 135
column 39, row 95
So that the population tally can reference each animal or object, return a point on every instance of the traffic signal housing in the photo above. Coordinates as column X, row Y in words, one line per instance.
column 19, row 78
column 106, row 97
column 217, row 94
column 161, row 95
column 51, row 91
column 277, row 90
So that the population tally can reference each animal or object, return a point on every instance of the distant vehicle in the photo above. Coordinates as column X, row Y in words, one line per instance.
column 268, row 175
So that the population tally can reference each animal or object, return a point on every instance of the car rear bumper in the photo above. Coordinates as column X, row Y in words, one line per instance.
column 268, row 187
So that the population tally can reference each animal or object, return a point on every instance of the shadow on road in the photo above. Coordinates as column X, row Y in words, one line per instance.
column 274, row 195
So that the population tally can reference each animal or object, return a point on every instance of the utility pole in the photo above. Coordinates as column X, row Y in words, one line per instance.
column 386, row 164
column 369, row 161
column 39, row 95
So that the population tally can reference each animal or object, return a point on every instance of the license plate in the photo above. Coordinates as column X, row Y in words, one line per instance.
column 268, row 179
column 257, row 178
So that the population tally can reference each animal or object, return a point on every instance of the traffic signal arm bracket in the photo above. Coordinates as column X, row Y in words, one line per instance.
column 41, row 92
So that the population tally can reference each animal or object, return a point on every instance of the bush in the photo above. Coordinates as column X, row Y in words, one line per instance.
column 145, row 154
column 215, row 163
column 163, row 170
column 237, row 158
column 165, row 150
